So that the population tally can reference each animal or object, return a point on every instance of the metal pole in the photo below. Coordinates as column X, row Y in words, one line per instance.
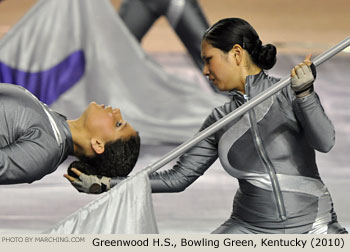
column 241, row 110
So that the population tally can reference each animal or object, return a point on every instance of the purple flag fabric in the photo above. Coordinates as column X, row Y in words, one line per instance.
column 47, row 85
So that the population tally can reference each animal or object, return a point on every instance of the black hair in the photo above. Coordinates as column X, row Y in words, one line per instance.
column 117, row 160
column 230, row 31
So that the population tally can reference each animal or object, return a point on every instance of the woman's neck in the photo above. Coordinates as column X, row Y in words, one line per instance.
column 250, row 69
column 80, row 141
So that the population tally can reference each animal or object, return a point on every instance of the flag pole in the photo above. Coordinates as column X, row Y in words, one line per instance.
column 241, row 110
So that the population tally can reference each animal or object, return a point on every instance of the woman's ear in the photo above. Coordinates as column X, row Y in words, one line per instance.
column 97, row 145
column 237, row 53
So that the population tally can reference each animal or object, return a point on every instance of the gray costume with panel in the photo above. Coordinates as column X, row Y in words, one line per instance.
column 271, row 151
column 34, row 140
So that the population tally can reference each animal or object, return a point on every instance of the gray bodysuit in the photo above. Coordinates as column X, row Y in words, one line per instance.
column 271, row 151
column 34, row 140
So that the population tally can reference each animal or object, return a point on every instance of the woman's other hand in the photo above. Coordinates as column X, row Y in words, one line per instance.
column 88, row 183
column 303, row 76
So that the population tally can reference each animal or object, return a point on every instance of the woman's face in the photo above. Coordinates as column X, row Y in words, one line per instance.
column 220, row 67
column 106, row 123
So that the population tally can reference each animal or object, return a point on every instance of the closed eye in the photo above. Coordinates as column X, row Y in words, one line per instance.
column 206, row 60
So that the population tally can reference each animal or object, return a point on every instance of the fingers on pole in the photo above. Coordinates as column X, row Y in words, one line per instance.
column 307, row 59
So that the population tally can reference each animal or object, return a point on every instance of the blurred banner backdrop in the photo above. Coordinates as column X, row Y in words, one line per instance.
column 69, row 53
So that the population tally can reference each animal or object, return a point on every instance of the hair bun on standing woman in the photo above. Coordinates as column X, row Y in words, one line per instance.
column 230, row 31
column 264, row 56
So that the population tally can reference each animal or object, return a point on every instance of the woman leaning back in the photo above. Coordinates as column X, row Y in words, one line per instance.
column 35, row 140
column 270, row 149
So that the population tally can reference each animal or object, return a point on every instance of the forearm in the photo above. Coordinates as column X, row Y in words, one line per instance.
column 164, row 181
column 178, row 178
column 316, row 125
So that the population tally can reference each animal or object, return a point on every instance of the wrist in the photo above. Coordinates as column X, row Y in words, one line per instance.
column 304, row 92
column 105, row 184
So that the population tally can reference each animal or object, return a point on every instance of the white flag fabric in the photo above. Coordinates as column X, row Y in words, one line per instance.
column 126, row 209
column 69, row 53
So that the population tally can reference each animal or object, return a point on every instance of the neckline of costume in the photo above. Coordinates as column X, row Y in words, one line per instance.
column 250, row 81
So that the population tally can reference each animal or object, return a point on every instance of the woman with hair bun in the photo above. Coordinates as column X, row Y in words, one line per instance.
column 270, row 149
column 35, row 140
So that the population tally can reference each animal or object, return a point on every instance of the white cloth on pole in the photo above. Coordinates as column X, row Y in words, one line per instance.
column 126, row 209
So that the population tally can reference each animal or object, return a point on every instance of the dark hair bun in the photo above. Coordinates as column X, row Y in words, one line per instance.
column 265, row 57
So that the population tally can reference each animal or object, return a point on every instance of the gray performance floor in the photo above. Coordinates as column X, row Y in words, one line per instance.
column 207, row 203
